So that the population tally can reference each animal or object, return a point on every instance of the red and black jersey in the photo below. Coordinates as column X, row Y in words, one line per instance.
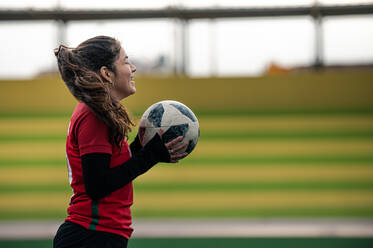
column 87, row 134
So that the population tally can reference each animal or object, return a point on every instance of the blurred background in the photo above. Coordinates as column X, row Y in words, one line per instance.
column 283, row 91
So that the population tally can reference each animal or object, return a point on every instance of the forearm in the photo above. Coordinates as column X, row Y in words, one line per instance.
column 100, row 180
column 135, row 146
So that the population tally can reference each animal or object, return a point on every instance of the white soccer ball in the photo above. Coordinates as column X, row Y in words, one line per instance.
column 175, row 119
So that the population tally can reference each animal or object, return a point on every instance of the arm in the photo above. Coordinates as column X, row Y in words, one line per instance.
column 135, row 146
column 100, row 180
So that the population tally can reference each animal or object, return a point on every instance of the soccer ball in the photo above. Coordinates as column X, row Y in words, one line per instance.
column 175, row 119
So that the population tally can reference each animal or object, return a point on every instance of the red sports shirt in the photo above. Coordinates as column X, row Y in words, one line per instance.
column 87, row 134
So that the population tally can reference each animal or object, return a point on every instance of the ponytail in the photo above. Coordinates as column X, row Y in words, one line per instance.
column 79, row 69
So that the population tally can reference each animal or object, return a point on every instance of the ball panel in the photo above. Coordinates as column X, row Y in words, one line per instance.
column 190, row 146
column 155, row 115
column 185, row 111
column 170, row 116
column 141, row 134
column 148, row 134
column 144, row 122
column 174, row 132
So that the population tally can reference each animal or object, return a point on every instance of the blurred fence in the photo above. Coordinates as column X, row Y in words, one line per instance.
column 302, row 92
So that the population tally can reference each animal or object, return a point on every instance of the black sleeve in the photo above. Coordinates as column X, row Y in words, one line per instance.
column 135, row 146
column 100, row 180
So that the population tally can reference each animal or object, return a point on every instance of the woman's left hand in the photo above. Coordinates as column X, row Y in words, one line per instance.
column 173, row 149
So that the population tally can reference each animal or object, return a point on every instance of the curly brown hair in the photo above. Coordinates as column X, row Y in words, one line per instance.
column 79, row 68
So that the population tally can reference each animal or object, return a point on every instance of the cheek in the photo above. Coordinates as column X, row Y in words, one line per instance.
column 124, row 75
column 129, row 71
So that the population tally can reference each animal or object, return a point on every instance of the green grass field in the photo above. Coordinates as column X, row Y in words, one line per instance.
column 245, row 165
column 218, row 243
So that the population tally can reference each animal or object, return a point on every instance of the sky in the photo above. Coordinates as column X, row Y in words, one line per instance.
column 229, row 47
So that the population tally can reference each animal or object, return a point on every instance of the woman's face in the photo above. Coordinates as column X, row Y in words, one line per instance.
column 123, row 78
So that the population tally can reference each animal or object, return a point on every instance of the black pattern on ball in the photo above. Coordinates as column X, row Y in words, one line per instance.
column 190, row 147
column 184, row 111
column 174, row 132
column 155, row 115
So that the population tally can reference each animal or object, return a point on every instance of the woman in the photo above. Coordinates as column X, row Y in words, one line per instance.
column 101, row 164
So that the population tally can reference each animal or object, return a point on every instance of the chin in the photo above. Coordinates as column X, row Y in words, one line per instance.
column 130, row 93
column 133, row 90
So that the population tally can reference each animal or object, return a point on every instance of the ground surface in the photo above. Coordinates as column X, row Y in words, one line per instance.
column 212, row 233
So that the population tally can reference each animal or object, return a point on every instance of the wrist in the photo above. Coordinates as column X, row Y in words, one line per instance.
column 157, row 148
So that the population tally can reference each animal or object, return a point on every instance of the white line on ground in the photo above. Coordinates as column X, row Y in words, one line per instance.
column 210, row 228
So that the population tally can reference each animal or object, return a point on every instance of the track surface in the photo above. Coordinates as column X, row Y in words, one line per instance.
column 209, row 228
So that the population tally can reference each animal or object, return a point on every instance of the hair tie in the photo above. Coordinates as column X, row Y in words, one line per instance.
column 58, row 50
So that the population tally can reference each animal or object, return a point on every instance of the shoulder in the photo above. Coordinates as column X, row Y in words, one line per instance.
column 83, row 112
column 90, row 133
column 84, row 119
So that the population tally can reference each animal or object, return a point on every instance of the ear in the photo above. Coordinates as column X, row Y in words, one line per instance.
column 106, row 73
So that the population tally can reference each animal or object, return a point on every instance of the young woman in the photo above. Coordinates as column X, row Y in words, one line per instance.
column 101, row 164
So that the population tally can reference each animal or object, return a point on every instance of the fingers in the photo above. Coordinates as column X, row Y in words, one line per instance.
column 179, row 147
column 175, row 158
column 173, row 149
column 173, row 142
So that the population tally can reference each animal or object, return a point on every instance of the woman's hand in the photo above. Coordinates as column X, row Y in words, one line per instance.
column 173, row 150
